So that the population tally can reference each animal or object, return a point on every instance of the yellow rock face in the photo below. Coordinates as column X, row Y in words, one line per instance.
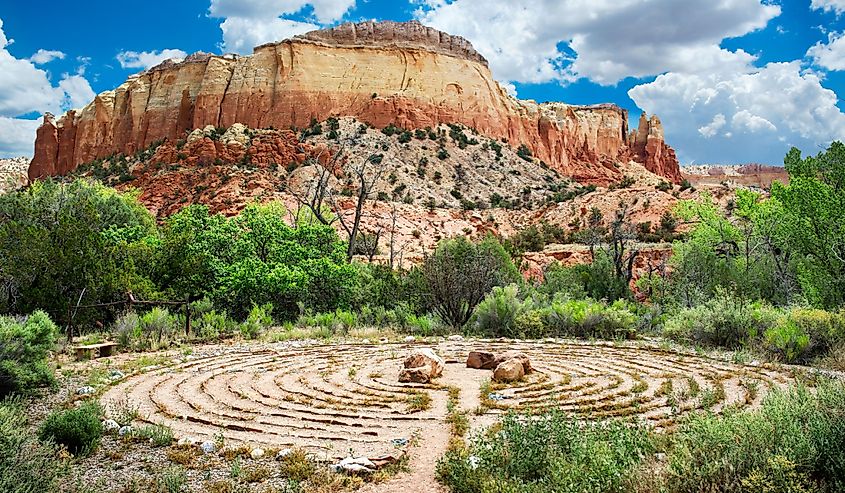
column 380, row 73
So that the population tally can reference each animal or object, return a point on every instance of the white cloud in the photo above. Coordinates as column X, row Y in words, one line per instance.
column 837, row 6
column 830, row 56
column 17, row 136
column 602, row 40
column 148, row 59
column 249, row 23
column 714, row 126
column 241, row 35
column 26, row 89
column 46, row 56
column 754, row 116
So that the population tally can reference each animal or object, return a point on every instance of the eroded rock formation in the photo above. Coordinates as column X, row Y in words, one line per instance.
column 381, row 73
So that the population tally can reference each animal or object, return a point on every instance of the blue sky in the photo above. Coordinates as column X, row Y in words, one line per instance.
column 734, row 81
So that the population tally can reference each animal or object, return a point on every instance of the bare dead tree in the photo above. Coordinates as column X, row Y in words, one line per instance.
column 394, row 250
column 319, row 194
column 621, row 243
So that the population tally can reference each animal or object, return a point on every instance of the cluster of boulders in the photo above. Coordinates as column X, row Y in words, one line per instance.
column 507, row 367
column 421, row 366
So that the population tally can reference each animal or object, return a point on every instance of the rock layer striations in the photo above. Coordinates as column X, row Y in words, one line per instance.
column 381, row 73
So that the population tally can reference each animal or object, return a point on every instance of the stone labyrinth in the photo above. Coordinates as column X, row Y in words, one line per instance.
column 337, row 398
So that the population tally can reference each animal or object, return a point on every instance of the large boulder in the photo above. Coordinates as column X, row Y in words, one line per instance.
column 482, row 360
column 509, row 371
column 521, row 357
column 421, row 366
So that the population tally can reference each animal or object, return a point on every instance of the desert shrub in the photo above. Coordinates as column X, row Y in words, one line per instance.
column 336, row 322
column 26, row 465
column 257, row 320
column 126, row 328
column 797, row 433
column 563, row 280
column 496, row 314
column 157, row 324
column 155, row 435
column 77, row 429
column 787, row 339
column 588, row 318
column 724, row 321
column 459, row 274
column 550, row 452
column 212, row 325
column 24, row 347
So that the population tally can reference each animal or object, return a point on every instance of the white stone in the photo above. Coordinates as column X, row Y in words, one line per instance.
column 410, row 339
column 456, row 338
column 283, row 453
column 87, row 390
column 365, row 341
column 110, row 425
column 208, row 447
column 257, row 453
column 355, row 465
column 124, row 430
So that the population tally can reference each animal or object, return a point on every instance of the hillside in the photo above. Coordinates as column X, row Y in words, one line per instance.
column 381, row 73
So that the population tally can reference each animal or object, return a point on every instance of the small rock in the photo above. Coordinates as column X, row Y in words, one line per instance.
column 110, row 425
column 509, row 371
column 87, row 390
column 399, row 442
column 365, row 341
column 257, row 453
column 497, row 397
column 482, row 360
column 124, row 430
column 410, row 339
column 355, row 465
column 283, row 453
column 521, row 357
column 384, row 340
column 660, row 456
column 474, row 461
column 116, row 375
column 208, row 447
column 456, row 338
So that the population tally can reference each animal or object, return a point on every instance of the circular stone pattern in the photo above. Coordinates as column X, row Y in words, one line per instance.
column 347, row 396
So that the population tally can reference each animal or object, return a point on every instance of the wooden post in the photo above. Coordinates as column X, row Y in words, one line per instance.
column 187, row 317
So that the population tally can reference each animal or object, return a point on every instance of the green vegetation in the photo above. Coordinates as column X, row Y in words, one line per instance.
column 24, row 346
column 79, row 429
column 795, row 442
column 26, row 465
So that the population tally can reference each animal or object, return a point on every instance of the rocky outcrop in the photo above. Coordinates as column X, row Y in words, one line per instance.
column 381, row 73
column 421, row 366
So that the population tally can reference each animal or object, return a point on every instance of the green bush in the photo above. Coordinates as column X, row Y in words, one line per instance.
column 551, row 452
column 212, row 325
column 788, row 340
column 59, row 241
column 496, row 314
column 77, row 429
column 257, row 320
column 24, row 347
column 798, row 433
column 588, row 318
column 723, row 321
column 459, row 274
column 26, row 466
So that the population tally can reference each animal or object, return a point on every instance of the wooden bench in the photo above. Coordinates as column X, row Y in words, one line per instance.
column 91, row 351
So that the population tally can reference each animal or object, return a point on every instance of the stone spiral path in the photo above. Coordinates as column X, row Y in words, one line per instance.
column 342, row 398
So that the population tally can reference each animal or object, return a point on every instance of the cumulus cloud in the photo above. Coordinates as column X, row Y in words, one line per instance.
column 605, row 41
column 46, row 56
column 837, row 6
column 249, row 23
column 26, row 89
column 241, row 35
column 829, row 56
column 754, row 116
column 147, row 59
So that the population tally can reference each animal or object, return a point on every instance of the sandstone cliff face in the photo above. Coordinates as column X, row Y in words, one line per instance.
column 381, row 73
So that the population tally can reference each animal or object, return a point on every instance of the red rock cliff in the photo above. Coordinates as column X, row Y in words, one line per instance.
column 381, row 73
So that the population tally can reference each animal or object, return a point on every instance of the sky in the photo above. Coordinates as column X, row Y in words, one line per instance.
column 734, row 81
